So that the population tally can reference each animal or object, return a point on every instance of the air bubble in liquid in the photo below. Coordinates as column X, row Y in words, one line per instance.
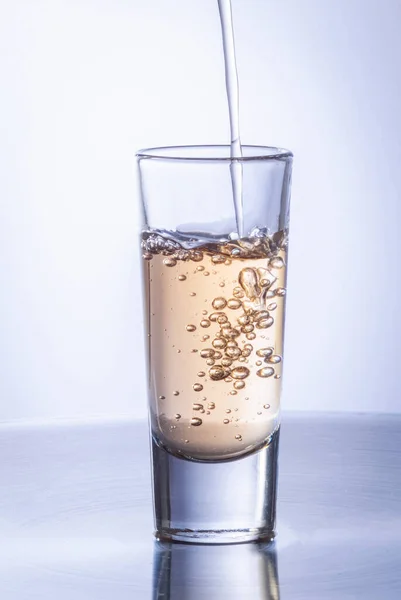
column 240, row 373
column 233, row 352
column 211, row 406
column 196, row 255
column 226, row 421
column 258, row 363
column 280, row 292
column 265, row 372
column 181, row 277
column 201, row 373
column 247, row 350
column 197, row 406
column 222, row 319
column 266, row 406
column 198, row 387
column 248, row 279
column 226, row 362
column 207, row 353
column 214, row 316
column 250, row 336
column 177, row 417
column 176, row 393
column 243, row 320
column 205, row 338
column 170, row 262
column 231, row 333
column 195, row 421
column 210, row 362
column 205, row 323
column 219, row 303
column 234, row 304
column 200, row 268
column 238, row 293
column 238, row 437
column 206, row 273
column 247, row 328
column 265, row 323
column 239, row 385
column 272, row 306
column 261, row 314
column 162, row 397
column 274, row 359
column 147, row 256
column 192, row 294
column 218, row 372
column 265, row 352
column 233, row 392
column 276, row 263
column 219, row 343
column 217, row 355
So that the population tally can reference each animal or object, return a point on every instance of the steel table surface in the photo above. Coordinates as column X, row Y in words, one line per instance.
column 76, row 517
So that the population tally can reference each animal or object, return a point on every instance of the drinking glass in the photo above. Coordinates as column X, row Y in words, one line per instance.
column 215, row 308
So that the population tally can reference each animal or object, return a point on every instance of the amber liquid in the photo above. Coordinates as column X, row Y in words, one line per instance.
column 215, row 317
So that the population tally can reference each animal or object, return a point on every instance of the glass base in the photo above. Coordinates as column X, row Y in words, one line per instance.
column 216, row 503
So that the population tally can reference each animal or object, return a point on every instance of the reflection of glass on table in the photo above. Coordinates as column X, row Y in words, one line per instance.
column 195, row 572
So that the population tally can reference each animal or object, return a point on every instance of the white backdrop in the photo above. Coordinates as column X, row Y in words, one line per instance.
column 86, row 82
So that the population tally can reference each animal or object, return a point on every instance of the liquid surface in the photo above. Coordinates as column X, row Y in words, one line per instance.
column 232, row 87
column 215, row 318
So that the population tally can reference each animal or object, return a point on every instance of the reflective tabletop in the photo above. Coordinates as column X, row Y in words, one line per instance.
column 76, row 517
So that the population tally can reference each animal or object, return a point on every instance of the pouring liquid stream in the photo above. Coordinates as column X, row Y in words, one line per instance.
column 232, row 87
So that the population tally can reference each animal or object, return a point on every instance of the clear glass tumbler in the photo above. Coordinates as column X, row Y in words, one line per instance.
column 215, row 308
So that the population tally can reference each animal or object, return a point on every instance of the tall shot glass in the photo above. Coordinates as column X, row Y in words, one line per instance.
column 215, row 308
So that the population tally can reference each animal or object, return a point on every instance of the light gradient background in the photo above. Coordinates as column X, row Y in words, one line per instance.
column 84, row 83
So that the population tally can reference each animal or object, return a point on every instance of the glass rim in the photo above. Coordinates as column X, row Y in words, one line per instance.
column 202, row 153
